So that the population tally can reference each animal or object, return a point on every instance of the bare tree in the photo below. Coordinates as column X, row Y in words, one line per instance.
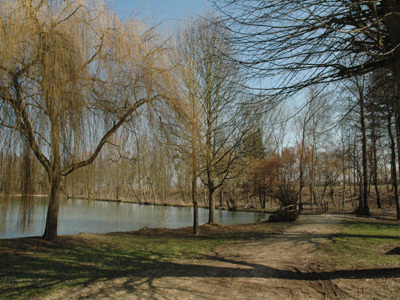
column 312, row 124
column 383, row 94
column 301, row 43
column 187, row 73
column 211, row 85
column 358, row 91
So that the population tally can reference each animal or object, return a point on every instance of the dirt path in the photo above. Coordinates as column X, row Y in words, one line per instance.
column 279, row 267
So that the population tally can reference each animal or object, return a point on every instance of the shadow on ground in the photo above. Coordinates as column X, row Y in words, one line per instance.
column 97, row 265
column 82, row 261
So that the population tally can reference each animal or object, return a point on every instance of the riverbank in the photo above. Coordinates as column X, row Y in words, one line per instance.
column 318, row 257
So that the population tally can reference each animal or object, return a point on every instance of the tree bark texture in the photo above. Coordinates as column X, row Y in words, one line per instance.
column 393, row 165
column 364, row 210
column 50, row 232
column 211, row 211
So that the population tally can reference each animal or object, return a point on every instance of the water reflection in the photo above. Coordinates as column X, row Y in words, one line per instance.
column 4, row 213
column 26, row 213
column 21, row 217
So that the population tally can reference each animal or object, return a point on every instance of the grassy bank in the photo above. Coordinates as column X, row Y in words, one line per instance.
column 31, row 267
column 365, row 244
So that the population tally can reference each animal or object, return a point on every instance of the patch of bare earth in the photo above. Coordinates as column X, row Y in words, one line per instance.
column 282, row 266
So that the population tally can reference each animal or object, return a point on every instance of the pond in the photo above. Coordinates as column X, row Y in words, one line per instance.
column 21, row 219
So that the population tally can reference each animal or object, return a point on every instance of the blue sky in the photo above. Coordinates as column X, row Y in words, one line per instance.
column 159, row 10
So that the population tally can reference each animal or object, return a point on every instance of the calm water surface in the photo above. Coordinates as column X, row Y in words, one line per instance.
column 21, row 219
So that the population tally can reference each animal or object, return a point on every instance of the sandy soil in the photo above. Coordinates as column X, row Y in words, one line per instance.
column 283, row 266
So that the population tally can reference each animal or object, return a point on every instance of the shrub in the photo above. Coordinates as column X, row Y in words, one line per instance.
column 284, row 215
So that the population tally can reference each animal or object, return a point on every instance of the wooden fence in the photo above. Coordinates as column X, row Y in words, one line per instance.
column 320, row 208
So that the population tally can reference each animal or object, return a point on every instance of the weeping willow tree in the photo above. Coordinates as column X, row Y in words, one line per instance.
column 71, row 75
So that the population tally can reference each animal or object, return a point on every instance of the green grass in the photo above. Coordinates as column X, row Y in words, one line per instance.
column 365, row 243
column 31, row 267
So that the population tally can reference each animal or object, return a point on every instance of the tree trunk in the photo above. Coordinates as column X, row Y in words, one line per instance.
column 375, row 166
column 195, row 208
column 301, row 171
column 55, row 178
column 27, row 173
column 50, row 232
column 344, row 174
column 211, row 206
column 194, row 197
column 261, row 196
column 393, row 165
column 323, row 192
column 387, row 183
column 313, row 198
column 363, row 208
column 397, row 122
